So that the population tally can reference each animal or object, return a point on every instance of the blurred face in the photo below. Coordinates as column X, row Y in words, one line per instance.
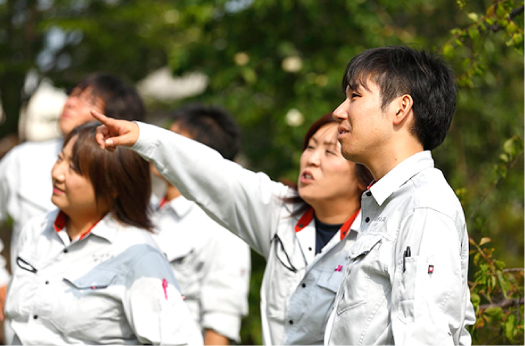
column 72, row 193
column 326, row 176
column 77, row 109
column 364, row 129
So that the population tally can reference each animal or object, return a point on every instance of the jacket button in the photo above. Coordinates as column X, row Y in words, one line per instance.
column 47, row 282
column 35, row 317
column 367, row 220
column 66, row 251
column 300, row 225
column 291, row 322
column 303, row 285
column 368, row 193
column 309, row 248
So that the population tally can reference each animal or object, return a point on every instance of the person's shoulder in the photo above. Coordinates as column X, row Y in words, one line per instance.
column 30, row 146
column 27, row 151
column 128, row 236
column 432, row 190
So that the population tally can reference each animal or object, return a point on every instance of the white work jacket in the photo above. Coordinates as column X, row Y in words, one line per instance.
column 406, row 280
column 212, row 265
column 26, row 186
column 109, row 286
column 299, row 287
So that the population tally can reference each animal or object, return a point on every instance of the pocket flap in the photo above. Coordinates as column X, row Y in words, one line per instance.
column 364, row 245
column 94, row 279
column 330, row 280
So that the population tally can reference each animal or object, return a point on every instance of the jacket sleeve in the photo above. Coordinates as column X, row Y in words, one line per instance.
column 154, row 306
column 225, row 286
column 430, row 294
column 247, row 203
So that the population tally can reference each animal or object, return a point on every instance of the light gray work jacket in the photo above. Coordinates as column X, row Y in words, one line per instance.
column 298, row 287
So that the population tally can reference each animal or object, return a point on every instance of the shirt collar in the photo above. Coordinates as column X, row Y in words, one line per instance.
column 308, row 216
column 399, row 175
column 105, row 228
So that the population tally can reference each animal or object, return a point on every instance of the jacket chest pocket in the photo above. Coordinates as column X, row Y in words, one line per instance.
column 363, row 257
column 86, row 301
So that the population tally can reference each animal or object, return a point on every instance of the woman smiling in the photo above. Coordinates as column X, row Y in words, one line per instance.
column 90, row 272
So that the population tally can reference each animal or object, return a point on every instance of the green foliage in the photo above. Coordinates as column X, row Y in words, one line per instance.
column 497, row 296
column 502, row 16
column 496, row 291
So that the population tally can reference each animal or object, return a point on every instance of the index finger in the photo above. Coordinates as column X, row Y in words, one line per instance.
column 101, row 117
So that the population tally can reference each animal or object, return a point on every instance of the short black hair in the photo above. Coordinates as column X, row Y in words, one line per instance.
column 211, row 125
column 425, row 76
column 121, row 101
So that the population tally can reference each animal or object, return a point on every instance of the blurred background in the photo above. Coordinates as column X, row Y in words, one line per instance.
column 277, row 65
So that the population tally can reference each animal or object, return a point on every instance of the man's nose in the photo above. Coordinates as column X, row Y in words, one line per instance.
column 340, row 114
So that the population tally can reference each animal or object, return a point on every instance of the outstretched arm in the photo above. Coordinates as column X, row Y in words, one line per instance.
column 113, row 132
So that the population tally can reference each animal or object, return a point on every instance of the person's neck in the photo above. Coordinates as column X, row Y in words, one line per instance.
column 77, row 225
column 334, row 213
column 171, row 193
column 386, row 160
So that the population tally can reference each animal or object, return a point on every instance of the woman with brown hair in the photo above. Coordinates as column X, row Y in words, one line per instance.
column 304, row 234
column 90, row 272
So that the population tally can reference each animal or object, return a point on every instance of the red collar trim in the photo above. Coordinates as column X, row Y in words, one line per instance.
column 372, row 183
column 346, row 226
column 309, row 215
column 60, row 223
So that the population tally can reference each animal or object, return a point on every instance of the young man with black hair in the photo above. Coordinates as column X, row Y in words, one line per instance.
column 406, row 279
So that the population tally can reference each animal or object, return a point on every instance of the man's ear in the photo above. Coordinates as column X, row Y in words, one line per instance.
column 404, row 106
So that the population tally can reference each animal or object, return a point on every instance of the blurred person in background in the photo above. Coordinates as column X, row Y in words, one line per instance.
column 90, row 272
column 211, row 264
column 304, row 234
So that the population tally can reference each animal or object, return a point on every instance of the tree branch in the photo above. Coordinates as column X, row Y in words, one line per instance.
column 503, row 304
column 512, row 14
column 512, row 270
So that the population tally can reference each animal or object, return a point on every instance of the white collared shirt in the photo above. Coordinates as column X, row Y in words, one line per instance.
column 299, row 287
column 111, row 286
column 211, row 265
column 394, row 296
column 26, row 187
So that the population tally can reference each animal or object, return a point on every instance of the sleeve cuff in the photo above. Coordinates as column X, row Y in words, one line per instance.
column 224, row 324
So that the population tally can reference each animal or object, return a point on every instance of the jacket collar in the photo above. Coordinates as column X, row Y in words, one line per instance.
column 105, row 228
column 308, row 216
column 399, row 175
